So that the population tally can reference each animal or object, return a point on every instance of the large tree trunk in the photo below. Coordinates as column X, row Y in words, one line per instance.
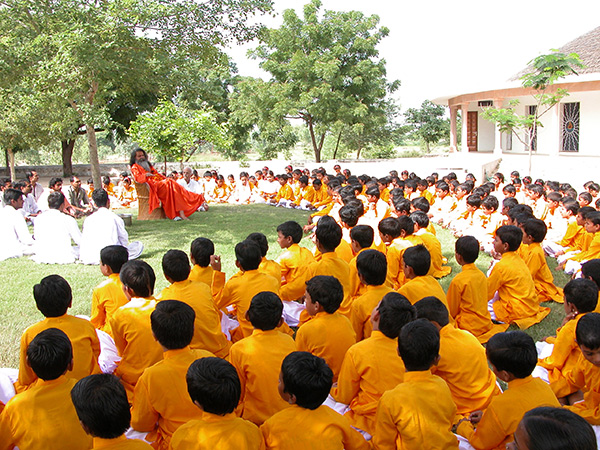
column 10, row 163
column 7, row 162
column 316, row 146
column 93, row 149
column 337, row 145
column 67, row 146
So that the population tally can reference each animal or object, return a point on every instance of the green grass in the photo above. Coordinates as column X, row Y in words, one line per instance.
column 225, row 225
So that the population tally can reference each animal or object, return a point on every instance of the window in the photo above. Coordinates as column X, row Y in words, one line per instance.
column 570, row 127
column 485, row 103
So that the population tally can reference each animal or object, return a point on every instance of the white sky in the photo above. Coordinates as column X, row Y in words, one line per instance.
column 443, row 47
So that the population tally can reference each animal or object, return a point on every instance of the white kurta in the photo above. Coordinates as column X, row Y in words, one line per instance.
column 101, row 229
column 14, row 232
column 53, row 232
column 192, row 186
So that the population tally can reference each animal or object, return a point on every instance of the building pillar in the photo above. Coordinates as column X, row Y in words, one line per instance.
column 464, row 111
column 497, row 133
column 453, row 114
column 556, row 145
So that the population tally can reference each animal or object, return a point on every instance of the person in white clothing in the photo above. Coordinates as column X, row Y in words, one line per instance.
column 16, row 239
column 30, row 208
column 189, row 183
column 104, row 228
column 36, row 188
column 53, row 231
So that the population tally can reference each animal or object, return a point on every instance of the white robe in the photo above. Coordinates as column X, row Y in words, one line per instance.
column 192, row 186
column 53, row 232
column 15, row 235
column 101, row 229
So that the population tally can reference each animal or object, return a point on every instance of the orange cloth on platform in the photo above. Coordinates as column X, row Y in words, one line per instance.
column 362, row 307
column 167, row 193
column 297, row 428
column 517, row 301
column 565, row 353
column 83, row 337
column 214, row 432
column 502, row 416
column 257, row 359
column 43, row 418
column 541, row 274
column 328, row 336
column 207, row 324
column 134, row 340
column 370, row 368
column 416, row 415
column 161, row 402
column 467, row 304
column 293, row 261
column 106, row 299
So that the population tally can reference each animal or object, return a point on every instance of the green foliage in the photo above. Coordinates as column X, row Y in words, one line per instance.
column 428, row 123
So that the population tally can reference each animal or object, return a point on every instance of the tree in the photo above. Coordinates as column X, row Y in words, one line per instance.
column 543, row 72
column 84, row 54
column 324, row 70
column 428, row 123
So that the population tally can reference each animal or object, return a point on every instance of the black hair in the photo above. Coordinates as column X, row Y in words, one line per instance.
column 329, row 233
column 553, row 196
column 395, row 311
column 537, row 189
column 372, row 265
column 53, row 296
column 401, row 205
column 50, row 353
column 54, row 180
column 176, row 265
column 265, row 311
column 201, row 250
column 593, row 217
column 591, row 270
column 410, row 183
column 419, row 258
column 100, row 198
column 172, row 323
column 586, row 196
column 511, row 235
column 292, row 229
column 474, row 200
column 139, row 277
column 363, row 234
column 390, row 226
column 421, row 204
column 114, row 256
column 535, row 228
column 419, row 345
column 583, row 293
column 261, row 240
column 307, row 377
column 406, row 224
column 587, row 332
column 326, row 290
column 132, row 160
column 420, row 218
column 509, row 202
column 509, row 189
column 247, row 253
column 550, row 428
column 374, row 191
column 442, row 185
column 512, row 351
column 468, row 248
column 349, row 215
column 55, row 200
column 491, row 202
column 101, row 404
column 432, row 309
column 12, row 195
column 214, row 384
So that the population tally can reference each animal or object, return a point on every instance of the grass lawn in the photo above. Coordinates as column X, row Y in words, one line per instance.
column 225, row 225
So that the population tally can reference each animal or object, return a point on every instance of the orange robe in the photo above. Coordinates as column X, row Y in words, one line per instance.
column 565, row 353
column 106, row 299
column 535, row 259
column 362, row 307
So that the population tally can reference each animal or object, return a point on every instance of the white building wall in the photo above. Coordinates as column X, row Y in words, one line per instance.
column 589, row 121
column 485, row 141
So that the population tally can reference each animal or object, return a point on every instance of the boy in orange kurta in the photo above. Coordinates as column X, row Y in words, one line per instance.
column 372, row 366
column 511, row 289
column 361, row 239
column 432, row 243
column 293, row 260
column 53, row 297
column 258, row 357
column 268, row 266
column 467, row 293
column 161, row 403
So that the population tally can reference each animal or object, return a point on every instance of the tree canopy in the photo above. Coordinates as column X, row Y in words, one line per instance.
column 428, row 122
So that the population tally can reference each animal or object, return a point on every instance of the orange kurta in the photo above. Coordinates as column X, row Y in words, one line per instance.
column 293, row 261
column 565, row 353
column 362, row 307
column 541, row 274
column 106, row 299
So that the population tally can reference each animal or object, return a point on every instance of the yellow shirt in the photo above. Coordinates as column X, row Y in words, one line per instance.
column 43, row 418
column 464, row 367
column 370, row 368
column 297, row 428
column 257, row 359
column 83, row 337
column 327, row 336
column 120, row 443
column 357, row 288
column 285, row 193
column 331, row 265
column 270, row 267
column 207, row 325
column 395, row 275
column 517, row 301
column 362, row 307
column 106, row 299
column 467, row 304
column 565, row 353
column 421, row 287
column 134, row 340
column 293, row 261
column 417, row 414
column 592, row 251
column 502, row 416
column 573, row 234
column 216, row 280
column 161, row 402
column 214, row 432
column 432, row 243
column 541, row 274
column 307, row 193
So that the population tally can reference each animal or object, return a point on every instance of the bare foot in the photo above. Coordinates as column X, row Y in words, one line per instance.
column 182, row 215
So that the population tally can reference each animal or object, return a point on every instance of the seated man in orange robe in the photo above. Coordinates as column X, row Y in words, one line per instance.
column 177, row 202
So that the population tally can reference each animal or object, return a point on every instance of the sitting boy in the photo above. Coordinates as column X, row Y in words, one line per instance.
column 463, row 364
column 511, row 289
column 202, row 250
column 328, row 334
column 257, row 359
column 432, row 243
column 101, row 405
column 591, row 270
column 50, row 357
column 161, row 403
column 416, row 263
column 267, row 266
column 592, row 227
column 207, row 326
column 372, row 366
column 214, row 387
column 108, row 295
column 418, row 413
column 512, row 356
column 53, row 297
column 467, row 294
column 293, row 260
column 361, row 237
column 131, row 327
column 304, row 383
column 372, row 271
